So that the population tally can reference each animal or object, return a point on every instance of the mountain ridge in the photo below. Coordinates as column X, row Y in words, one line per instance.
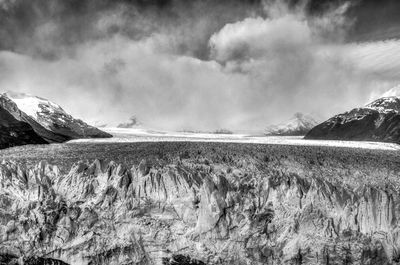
column 28, row 119
column 51, row 120
column 299, row 124
column 376, row 121
column 14, row 131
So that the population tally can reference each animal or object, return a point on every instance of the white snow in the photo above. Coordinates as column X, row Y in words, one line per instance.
column 394, row 92
column 31, row 104
column 384, row 103
column 143, row 135
column 298, row 122
column 28, row 105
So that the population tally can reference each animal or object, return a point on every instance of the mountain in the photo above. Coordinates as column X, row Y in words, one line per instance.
column 222, row 131
column 393, row 92
column 15, row 132
column 48, row 119
column 377, row 121
column 299, row 124
column 133, row 122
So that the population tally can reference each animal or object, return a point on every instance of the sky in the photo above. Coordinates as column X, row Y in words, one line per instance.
column 200, row 64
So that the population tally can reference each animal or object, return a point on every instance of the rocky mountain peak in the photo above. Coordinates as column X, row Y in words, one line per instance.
column 299, row 124
column 34, row 106
column 27, row 119
column 377, row 121
column 385, row 104
column 48, row 119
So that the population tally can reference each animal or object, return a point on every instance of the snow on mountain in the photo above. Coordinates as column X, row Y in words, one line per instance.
column 377, row 121
column 132, row 123
column 393, row 92
column 299, row 124
column 38, row 108
column 50, row 120
column 15, row 131
column 385, row 104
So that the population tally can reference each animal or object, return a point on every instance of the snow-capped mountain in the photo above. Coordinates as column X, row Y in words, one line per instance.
column 14, row 131
column 36, row 107
column 377, row 121
column 299, row 124
column 385, row 104
column 48, row 119
column 393, row 92
column 132, row 123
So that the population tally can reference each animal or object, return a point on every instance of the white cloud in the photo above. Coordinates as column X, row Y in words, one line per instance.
column 116, row 78
column 296, row 67
column 255, row 38
column 381, row 58
column 261, row 70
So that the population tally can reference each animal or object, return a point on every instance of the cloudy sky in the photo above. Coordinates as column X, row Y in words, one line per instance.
column 200, row 64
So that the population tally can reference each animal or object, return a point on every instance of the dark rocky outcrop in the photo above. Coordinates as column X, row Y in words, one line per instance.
column 10, row 259
column 181, row 260
column 378, row 121
column 15, row 132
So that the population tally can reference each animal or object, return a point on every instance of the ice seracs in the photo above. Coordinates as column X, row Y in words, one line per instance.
column 203, row 204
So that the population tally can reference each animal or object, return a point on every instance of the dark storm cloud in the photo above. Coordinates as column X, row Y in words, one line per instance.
column 45, row 27
column 372, row 19
column 375, row 20
column 75, row 19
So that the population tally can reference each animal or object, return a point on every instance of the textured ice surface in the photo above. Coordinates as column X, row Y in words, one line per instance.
column 143, row 135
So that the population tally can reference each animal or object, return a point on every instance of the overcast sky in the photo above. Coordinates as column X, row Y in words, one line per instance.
column 201, row 64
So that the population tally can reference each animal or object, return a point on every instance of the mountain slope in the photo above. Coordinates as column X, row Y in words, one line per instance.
column 299, row 124
column 49, row 120
column 13, row 109
column 377, row 121
column 15, row 132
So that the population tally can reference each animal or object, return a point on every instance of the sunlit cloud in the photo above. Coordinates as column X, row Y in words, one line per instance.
column 238, row 72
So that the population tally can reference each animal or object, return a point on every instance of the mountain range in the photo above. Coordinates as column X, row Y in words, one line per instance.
column 377, row 121
column 27, row 119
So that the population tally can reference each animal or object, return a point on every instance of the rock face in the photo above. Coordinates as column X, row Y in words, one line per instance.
column 51, row 117
column 15, row 132
column 377, row 121
column 299, row 124
column 190, row 210
column 47, row 119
